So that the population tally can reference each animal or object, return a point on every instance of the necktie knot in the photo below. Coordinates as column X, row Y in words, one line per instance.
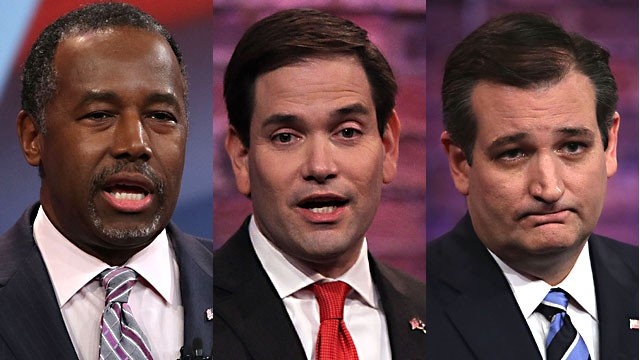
column 555, row 302
column 118, row 283
column 331, row 296
column 563, row 340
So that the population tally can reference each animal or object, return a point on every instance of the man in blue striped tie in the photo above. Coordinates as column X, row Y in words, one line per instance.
column 531, row 132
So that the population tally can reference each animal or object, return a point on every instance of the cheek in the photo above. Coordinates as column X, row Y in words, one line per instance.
column 495, row 190
column 270, row 174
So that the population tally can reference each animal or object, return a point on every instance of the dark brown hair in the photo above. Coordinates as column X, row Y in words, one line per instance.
column 293, row 36
column 525, row 50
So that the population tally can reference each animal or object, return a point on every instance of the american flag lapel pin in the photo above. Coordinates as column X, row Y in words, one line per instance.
column 633, row 324
column 417, row 324
column 209, row 314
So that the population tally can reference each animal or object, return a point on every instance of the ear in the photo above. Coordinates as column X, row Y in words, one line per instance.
column 391, row 143
column 29, row 136
column 239, row 156
column 458, row 164
column 611, row 156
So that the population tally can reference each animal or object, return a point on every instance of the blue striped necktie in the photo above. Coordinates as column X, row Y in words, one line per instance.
column 121, row 336
column 563, row 341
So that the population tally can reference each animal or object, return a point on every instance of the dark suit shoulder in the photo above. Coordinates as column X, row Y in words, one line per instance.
column 626, row 253
column 16, row 244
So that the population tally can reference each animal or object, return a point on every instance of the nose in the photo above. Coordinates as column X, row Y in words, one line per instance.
column 546, row 184
column 319, row 164
column 130, row 138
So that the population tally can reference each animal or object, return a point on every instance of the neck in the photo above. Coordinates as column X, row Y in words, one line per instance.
column 551, row 268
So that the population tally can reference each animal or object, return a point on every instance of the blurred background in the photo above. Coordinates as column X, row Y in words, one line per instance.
column 397, row 27
column 189, row 22
column 611, row 23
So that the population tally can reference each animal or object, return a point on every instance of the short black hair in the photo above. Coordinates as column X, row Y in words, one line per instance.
column 293, row 36
column 525, row 50
column 38, row 76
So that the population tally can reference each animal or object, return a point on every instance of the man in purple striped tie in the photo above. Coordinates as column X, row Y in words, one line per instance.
column 96, row 269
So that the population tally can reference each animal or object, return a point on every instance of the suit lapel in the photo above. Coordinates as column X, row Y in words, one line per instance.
column 31, row 324
column 480, row 304
column 247, row 305
column 401, row 303
column 196, row 287
column 617, row 294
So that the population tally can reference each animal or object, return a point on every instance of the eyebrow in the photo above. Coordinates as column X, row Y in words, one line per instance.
column 576, row 131
column 112, row 97
column 353, row 109
column 290, row 119
column 99, row 95
column 514, row 138
column 164, row 98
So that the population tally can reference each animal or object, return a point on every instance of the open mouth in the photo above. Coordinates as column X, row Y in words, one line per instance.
column 325, row 204
column 127, row 192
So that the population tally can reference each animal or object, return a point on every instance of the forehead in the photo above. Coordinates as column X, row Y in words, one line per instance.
column 500, row 108
column 93, row 59
column 315, row 85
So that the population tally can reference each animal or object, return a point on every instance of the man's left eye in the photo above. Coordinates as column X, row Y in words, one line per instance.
column 163, row 116
column 349, row 132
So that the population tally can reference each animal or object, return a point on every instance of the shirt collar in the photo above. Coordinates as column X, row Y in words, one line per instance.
column 70, row 268
column 289, row 275
column 578, row 283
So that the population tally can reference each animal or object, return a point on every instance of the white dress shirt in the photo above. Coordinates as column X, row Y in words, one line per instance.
column 363, row 313
column 582, row 307
column 155, row 298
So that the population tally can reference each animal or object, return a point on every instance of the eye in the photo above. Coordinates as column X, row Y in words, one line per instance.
column 573, row 147
column 512, row 154
column 349, row 133
column 163, row 116
column 283, row 138
column 98, row 115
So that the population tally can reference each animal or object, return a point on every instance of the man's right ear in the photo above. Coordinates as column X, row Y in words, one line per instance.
column 30, row 137
column 239, row 156
column 458, row 164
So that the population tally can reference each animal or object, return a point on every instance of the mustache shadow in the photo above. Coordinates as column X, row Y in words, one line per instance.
column 98, row 180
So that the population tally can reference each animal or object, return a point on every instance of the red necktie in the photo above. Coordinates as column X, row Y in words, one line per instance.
column 334, row 341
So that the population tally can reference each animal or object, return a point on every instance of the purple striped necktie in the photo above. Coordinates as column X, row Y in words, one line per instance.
column 121, row 338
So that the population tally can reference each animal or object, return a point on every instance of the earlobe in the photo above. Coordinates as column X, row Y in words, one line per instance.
column 239, row 156
column 29, row 136
column 391, row 142
column 611, row 156
column 458, row 164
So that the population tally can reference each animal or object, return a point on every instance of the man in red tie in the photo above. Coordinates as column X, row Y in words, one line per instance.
column 313, row 136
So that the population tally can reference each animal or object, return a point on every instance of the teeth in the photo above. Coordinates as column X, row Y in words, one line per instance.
column 127, row 196
column 323, row 210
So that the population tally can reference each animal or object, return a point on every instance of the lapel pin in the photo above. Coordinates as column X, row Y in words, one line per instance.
column 417, row 324
column 209, row 314
column 633, row 324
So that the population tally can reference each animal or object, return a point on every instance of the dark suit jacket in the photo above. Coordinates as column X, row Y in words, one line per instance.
column 31, row 325
column 472, row 313
column 251, row 322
